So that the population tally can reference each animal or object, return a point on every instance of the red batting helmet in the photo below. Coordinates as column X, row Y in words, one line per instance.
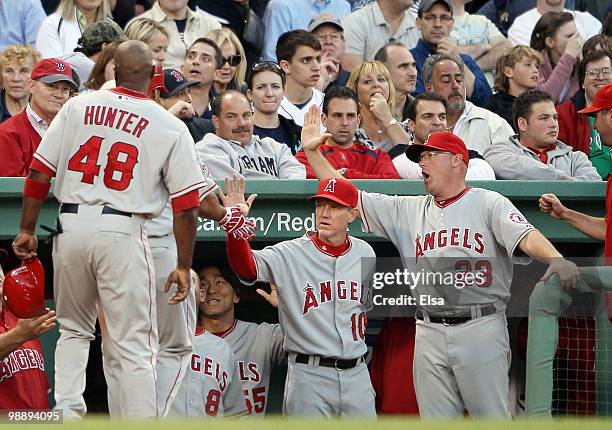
column 24, row 289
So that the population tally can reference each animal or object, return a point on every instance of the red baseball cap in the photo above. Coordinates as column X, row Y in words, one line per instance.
column 441, row 141
column 338, row 190
column 603, row 100
column 51, row 70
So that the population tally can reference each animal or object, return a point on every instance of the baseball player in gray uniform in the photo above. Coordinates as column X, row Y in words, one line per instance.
column 322, row 304
column 211, row 386
column 258, row 347
column 117, row 157
column 175, row 322
column 462, row 353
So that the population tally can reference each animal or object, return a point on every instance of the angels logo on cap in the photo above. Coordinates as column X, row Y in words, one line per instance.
column 338, row 190
column 331, row 186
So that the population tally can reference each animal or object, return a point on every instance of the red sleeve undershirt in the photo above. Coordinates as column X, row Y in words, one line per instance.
column 187, row 201
column 241, row 258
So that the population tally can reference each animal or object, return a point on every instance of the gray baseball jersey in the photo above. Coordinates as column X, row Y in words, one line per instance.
column 114, row 148
column 476, row 230
column 258, row 349
column 479, row 228
column 211, row 387
column 321, row 299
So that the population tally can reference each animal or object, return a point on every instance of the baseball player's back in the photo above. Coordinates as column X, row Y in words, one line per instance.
column 117, row 157
column 211, row 387
column 258, row 349
column 113, row 147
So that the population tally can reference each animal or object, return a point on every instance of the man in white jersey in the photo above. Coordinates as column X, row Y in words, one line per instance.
column 211, row 387
column 117, row 157
column 323, row 282
column 258, row 347
column 462, row 353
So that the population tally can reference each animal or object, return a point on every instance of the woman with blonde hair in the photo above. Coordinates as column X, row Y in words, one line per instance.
column 231, row 76
column 16, row 64
column 379, row 127
column 60, row 32
column 152, row 33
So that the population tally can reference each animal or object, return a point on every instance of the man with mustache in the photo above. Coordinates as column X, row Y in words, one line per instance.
column 536, row 153
column 234, row 151
column 477, row 127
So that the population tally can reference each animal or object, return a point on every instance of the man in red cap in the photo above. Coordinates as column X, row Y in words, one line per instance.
column 595, row 227
column 452, row 232
column 50, row 85
column 323, row 283
column 23, row 382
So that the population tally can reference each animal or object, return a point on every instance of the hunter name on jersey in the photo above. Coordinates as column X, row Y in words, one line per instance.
column 211, row 368
column 119, row 119
column 22, row 359
column 456, row 237
column 344, row 290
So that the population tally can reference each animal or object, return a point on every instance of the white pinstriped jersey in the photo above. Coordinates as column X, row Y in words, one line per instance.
column 211, row 387
column 121, row 149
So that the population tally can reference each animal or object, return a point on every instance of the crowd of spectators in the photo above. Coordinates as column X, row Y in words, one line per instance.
column 471, row 60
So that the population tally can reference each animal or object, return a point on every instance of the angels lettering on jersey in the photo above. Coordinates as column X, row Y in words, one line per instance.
column 22, row 359
column 210, row 367
column 328, row 291
column 456, row 237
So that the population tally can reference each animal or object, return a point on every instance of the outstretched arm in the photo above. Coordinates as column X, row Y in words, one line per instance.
column 24, row 331
column 594, row 227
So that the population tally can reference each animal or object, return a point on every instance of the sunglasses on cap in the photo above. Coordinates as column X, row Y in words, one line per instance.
column 267, row 66
column 232, row 60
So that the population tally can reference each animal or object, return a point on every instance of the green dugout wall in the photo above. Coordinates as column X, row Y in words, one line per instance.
column 281, row 212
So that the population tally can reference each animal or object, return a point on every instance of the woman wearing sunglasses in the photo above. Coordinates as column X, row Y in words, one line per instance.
column 266, row 91
column 231, row 75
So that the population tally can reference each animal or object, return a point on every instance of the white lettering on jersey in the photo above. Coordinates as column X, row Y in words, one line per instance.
column 345, row 290
column 435, row 240
column 209, row 367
